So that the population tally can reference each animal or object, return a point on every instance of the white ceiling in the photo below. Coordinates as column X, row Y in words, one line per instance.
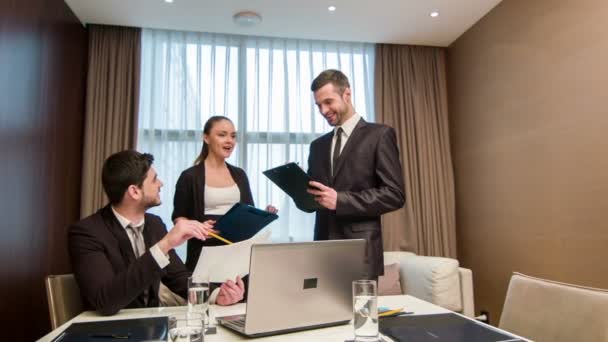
column 376, row 21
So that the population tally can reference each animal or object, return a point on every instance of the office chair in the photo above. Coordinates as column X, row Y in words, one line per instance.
column 64, row 299
column 545, row 310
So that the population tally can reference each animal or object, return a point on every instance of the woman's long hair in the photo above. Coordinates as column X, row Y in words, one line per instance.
column 206, row 130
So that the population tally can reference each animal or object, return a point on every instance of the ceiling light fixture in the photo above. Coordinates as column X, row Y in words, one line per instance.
column 169, row 1
column 331, row 8
column 247, row 18
column 434, row 14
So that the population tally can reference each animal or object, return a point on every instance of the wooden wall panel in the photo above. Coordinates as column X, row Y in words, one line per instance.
column 43, row 57
column 527, row 93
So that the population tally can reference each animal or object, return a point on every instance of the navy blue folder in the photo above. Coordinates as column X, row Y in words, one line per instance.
column 294, row 181
column 242, row 222
column 139, row 329
column 448, row 327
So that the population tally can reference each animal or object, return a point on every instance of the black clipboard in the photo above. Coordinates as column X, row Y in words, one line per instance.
column 138, row 329
column 242, row 222
column 294, row 181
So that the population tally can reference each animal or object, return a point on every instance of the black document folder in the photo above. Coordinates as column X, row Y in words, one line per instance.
column 140, row 329
column 439, row 328
column 242, row 222
column 294, row 181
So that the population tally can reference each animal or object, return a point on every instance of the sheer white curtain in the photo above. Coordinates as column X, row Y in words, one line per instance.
column 262, row 85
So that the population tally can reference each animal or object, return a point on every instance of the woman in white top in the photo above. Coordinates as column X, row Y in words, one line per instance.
column 205, row 191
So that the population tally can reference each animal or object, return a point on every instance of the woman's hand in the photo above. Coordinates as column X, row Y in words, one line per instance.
column 271, row 209
column 208, row 225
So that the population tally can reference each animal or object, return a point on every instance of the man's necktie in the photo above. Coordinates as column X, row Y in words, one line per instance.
column 139, row 248
column 138, row 240
column 337, row 149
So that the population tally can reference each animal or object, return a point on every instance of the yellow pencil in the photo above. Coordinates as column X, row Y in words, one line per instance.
column 390, row 312
column 220, row 238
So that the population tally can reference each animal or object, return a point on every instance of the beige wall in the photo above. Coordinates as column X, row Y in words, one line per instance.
column 528, row 95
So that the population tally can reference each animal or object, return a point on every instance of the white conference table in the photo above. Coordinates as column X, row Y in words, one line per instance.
column 336, row 333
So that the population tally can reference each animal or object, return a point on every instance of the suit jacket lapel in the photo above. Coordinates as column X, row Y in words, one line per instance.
column 126, row 249
column 349, row 145
column 147, row 232
column 152, row 298
column 325, row 147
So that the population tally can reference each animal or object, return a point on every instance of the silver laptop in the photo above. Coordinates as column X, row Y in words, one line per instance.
column 298, row 286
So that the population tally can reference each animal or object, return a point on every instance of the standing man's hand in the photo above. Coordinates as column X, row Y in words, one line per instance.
column 324, row 195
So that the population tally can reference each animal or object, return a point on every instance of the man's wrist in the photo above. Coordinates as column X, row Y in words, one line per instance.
column 164, row 246
column 162, row 259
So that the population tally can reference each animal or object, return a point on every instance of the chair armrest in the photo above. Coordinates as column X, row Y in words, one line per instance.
column 466, row 289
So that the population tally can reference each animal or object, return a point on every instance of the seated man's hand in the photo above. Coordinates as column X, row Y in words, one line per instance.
column 184, row 230
column 231, row 292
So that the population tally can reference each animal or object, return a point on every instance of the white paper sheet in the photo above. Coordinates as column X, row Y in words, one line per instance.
column 221, row 263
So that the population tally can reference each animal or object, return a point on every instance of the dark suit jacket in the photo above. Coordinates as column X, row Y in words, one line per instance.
column 189, row 202
column 109, row 275
column 369, row 182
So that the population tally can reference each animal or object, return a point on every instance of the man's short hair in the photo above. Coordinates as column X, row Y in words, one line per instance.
column 333, row 76
column 123, row 169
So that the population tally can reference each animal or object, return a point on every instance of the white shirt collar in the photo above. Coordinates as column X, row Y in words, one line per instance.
column 349, row 125
column 124, row 222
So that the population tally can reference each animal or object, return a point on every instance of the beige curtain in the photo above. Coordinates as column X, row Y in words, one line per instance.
column 410, row 95
column 112, row 104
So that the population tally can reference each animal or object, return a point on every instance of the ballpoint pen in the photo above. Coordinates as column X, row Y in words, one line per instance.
column 397, row 314
column 389, row 312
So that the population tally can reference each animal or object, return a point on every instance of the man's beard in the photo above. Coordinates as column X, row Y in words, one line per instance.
column 150, row 202
column 340, row 116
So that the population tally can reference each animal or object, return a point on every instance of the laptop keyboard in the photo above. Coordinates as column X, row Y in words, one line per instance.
column 236, row 322
column 239, row 322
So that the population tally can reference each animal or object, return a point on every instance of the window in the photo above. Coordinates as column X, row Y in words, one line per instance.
column 262, row 85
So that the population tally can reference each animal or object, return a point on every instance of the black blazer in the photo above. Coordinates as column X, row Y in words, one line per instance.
column 369, row 181
column 189, row 202
column 109, row 275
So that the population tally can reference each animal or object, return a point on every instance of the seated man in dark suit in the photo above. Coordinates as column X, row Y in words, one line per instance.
column 120, row 254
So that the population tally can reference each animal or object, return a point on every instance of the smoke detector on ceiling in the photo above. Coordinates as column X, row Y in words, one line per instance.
column 247, row 18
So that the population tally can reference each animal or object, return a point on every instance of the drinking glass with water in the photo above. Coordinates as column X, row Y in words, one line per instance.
column 186, row 327
column 365, row 310
column 198, row 297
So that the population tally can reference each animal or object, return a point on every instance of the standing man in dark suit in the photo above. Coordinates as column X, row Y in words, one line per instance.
column 356, row 169
column 120, row 254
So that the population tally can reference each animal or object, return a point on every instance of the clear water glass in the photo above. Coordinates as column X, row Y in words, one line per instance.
column 186, row 327
column 198, row 296
column 365, row 310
